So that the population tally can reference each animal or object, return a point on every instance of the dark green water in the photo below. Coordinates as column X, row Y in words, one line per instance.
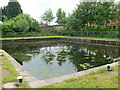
column 48, row 59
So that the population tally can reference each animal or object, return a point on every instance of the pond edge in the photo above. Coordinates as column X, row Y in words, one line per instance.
column 94, row 41
column 35, row 83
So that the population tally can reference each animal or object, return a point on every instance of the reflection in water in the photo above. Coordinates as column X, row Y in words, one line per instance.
column 47, row 59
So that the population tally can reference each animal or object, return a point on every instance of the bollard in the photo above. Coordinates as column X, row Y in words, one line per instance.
column 20, row 79
column 108, row 68
column 1, row 54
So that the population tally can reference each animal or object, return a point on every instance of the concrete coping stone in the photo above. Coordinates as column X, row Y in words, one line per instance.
column 96, row 41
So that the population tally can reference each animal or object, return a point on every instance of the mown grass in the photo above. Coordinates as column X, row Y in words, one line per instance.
column 13, row 77
column 99, row 79
column 64, row 36
column 7, row 66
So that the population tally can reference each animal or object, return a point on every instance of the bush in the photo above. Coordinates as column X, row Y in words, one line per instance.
column 21, row 23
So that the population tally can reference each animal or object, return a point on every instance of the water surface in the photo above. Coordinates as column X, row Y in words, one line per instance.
column 48, row 59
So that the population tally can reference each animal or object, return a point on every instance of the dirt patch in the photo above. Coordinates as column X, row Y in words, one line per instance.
column 5, row 73
column 0, row 77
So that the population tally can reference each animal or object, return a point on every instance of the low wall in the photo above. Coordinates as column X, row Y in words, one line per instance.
column 95, row 41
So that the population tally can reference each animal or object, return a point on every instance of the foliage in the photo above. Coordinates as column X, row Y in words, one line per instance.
column 12, row 10
column 21, row 23
column 105, row 34
column 72, row 23
column 61, row 17
column 92, row 13
column 47, row 17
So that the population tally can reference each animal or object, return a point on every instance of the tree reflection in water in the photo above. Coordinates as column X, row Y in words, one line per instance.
column 82, row 56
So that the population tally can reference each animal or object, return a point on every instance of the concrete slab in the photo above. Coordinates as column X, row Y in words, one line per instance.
column 9, row 85
column 25, row 73
column 38, row 83
column 30, row 78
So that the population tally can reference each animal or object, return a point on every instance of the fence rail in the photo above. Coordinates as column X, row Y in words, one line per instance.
column 107, row 34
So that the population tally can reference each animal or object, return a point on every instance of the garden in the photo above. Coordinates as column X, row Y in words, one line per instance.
column 76, row 49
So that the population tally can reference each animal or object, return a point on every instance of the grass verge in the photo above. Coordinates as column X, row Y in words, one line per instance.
column 100, row 38
column 12, row 77
column 99, row 79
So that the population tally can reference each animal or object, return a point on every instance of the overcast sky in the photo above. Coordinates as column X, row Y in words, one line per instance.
column 37, row 7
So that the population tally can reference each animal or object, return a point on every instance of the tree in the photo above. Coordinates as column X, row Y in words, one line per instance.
column 106, row 11
column 61, row 17
column 3, row 10
column 85, row 13
column 47, row 17
column 21, row 23
column 3, row 13
column 88, row 13
column 13, row 9
column 72, row 23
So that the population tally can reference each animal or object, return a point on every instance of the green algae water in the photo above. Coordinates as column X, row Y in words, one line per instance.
column 49, row 59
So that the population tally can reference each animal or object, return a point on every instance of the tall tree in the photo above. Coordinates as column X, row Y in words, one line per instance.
column 106, row 12
column 85, row 13
column 3, row 9
column 88, row 13
column 13, row 9
column 61, row 17
column 48, row 17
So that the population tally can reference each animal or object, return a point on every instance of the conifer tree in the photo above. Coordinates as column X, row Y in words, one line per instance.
column 13, row 9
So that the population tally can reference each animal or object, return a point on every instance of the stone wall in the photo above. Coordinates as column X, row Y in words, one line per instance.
column 95, row 41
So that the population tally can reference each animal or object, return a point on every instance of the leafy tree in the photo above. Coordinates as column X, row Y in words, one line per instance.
column 88, row 13
column 61, row 17
column 117, row 8
column 4, row 18
column 85, row 13
column 72, row 23
column 8, row 26
column 21, row 23
column 47, row 17
column 106, row 12
column 34, row 25
column 26, row 22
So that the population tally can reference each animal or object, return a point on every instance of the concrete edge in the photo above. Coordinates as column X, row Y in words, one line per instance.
column 26, row 74
column 95, row 41
column 35, row 83
column 40, row 83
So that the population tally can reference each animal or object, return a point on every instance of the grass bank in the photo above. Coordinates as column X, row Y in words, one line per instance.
column 63, row 37
column 100, row 79
column 9, row 73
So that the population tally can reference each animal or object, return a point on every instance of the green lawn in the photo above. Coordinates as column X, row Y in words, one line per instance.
column 9, row 72
column 100, row 79
column 64, row 36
